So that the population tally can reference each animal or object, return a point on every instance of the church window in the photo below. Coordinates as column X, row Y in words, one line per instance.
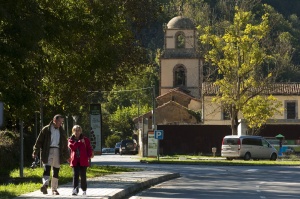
column 179, row 76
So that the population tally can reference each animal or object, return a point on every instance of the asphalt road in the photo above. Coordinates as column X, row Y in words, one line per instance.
column 216, row 182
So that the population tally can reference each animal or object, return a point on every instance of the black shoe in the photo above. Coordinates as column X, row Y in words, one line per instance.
column 44, row 189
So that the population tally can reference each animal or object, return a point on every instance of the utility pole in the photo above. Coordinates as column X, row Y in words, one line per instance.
column 22, row 147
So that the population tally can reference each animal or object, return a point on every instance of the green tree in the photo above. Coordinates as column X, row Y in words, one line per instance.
column 121, row 122
column 241, row 55
column 112, row 140
column 132, row 100
column 54, row 52
column 259, row 109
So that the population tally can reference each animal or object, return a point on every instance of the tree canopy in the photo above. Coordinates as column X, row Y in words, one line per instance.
column 240, row 54
column 54, row 52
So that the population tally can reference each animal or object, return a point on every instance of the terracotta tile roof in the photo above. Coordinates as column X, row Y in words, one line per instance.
column 276, row 89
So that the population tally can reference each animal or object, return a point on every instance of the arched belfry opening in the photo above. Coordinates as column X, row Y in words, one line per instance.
column 180, row 40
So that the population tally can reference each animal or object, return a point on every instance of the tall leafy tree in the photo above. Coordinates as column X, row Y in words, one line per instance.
column 241, row 55
column 55, row 52
column 21, row 29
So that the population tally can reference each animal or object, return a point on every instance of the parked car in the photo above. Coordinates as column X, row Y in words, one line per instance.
column 117, row 147
column 247, row 147
column 129, row 147
column 108, row 150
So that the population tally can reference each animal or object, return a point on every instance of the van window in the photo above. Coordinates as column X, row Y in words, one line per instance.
column 230, row 141
column 252, row 141
column 265, row 143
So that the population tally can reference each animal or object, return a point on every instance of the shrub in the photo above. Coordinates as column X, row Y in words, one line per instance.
column 9, row 151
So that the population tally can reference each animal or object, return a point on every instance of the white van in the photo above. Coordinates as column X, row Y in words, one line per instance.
column 247, row 147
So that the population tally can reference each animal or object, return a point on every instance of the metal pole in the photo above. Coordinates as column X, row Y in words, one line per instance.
column 21, row 140
column 67, row 123
column 41, row 115
column 153, row 111
column 153, row 121
column 36, row 128
column 138, row 101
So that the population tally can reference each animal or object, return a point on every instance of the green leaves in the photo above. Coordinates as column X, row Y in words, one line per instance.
column 53, row 52
column 241, row 54
column 260, row 108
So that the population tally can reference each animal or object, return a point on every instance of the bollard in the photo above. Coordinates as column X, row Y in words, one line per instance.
column 214, row 150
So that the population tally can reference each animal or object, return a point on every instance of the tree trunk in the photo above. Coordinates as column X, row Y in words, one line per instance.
column 234, row 122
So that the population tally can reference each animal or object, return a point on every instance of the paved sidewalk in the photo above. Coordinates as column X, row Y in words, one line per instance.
column 115, row 186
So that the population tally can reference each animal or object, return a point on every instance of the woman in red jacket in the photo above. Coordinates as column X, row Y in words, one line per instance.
column 81, row 151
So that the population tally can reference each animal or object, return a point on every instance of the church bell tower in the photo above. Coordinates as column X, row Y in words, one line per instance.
column 180, row 63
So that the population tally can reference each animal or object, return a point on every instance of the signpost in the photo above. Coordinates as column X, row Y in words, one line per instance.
column 159, row 135
column 152, row 145
column 96, row 126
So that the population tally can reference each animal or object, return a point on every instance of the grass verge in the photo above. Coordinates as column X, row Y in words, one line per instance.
column 32, row 178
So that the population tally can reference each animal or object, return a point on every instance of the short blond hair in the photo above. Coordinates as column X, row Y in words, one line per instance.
column 76, row 127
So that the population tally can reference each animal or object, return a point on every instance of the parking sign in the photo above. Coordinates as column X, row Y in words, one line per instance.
column 159, row 134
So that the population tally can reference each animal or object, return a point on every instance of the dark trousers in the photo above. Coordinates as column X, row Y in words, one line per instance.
column 79, row 171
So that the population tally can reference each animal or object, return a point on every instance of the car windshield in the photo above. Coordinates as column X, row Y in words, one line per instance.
column 126, row 142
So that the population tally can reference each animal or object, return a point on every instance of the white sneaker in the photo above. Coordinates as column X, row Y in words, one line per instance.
column 74, row 192
column 84, row 193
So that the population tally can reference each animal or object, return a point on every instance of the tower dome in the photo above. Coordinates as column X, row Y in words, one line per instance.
column 180, row 22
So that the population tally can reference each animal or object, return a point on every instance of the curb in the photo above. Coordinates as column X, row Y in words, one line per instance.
column 144, row 185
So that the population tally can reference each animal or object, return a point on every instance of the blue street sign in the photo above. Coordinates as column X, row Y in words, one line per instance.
column 159, row 134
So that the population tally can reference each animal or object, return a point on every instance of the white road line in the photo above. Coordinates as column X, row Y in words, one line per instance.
column 252, row 170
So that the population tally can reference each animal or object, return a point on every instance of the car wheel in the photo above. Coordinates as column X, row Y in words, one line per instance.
column 273, row 156
column 247, row 156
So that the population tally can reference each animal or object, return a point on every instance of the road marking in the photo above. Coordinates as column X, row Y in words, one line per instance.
column 252, row 170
